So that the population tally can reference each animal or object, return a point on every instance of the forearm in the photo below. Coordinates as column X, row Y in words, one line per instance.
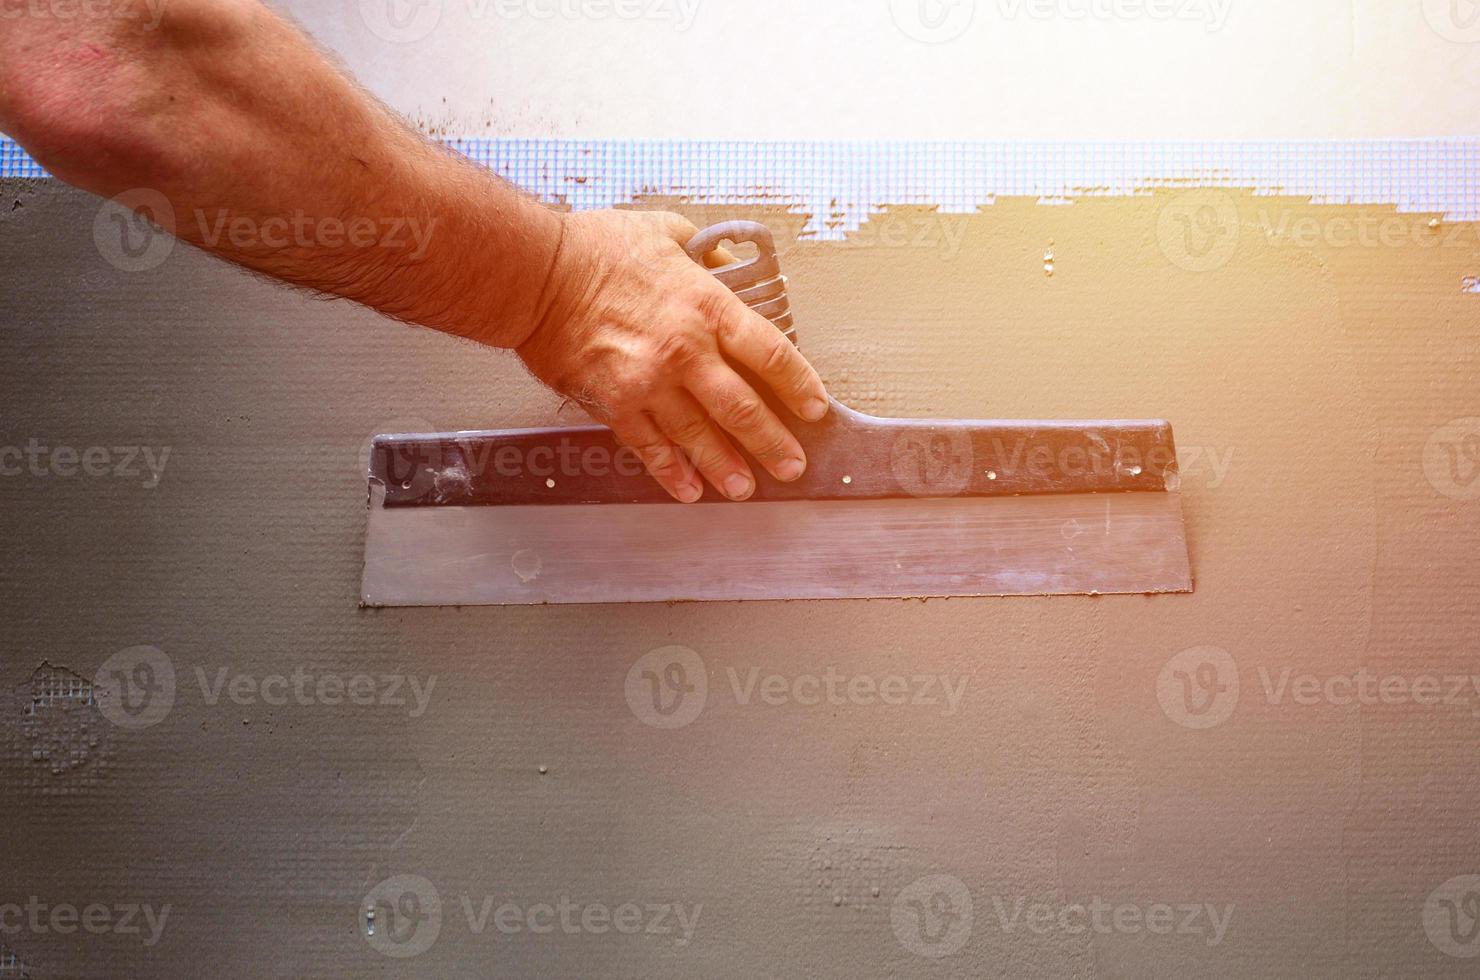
column 270, row 157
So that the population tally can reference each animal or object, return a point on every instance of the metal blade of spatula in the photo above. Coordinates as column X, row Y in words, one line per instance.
column 887, row 508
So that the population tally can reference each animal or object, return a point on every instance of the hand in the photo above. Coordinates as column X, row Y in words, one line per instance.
column 637, row 333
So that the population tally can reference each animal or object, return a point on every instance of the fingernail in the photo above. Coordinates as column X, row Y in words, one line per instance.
column 814, row 410
column 737, row 486
column 690, row 493
column 790, row 469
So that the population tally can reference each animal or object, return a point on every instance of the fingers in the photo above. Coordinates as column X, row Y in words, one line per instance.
column 664, row 460
column 680, row 228
column 736, row 407
column 719, row 258
column 753, row 341
column 683, row 231
column 685, row 422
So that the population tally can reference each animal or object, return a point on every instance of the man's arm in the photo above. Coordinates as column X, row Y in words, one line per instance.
column 230, row 113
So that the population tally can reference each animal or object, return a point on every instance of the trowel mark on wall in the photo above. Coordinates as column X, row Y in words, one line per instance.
column 850, row 866
column 61, row 741
column 527, row 565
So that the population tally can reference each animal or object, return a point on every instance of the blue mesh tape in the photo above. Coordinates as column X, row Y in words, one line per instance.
column 839, row 183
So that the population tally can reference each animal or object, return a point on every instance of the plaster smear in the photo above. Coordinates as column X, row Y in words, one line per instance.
column 782, row 766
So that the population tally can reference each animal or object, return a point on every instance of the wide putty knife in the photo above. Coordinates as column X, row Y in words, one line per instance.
column 887, row 508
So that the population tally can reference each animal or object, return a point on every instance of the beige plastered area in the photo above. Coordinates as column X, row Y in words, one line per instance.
column 1047, row 756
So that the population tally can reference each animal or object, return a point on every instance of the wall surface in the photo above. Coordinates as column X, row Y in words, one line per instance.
column 915, row 69
column 1272, row 777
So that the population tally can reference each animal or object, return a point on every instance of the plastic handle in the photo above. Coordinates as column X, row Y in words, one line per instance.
column 757, row 281
column 763, row 266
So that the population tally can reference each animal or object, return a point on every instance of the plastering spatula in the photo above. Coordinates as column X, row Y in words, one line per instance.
column 887, row 507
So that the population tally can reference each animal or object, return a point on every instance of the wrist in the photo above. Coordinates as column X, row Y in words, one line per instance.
column 565, row 285
column 512, row 269
column 548, row 296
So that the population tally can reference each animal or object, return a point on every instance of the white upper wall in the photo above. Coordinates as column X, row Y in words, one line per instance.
column 916, row 69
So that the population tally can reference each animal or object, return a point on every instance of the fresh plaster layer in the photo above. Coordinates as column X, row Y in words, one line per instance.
column 1037, row 752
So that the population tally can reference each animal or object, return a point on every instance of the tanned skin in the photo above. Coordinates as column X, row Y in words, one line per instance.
column 226, row 109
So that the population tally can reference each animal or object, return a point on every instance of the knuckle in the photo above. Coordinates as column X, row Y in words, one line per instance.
column 677, row 350
column 801, row 385
column 774, row 446
column 662, row 461
column 779, row 357
column 710, row 459
column 690, row 430
column 714, row 307
column 745, row 413
column 652, row 450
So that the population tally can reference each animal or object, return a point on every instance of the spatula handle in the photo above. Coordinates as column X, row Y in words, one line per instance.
column 757, row 281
